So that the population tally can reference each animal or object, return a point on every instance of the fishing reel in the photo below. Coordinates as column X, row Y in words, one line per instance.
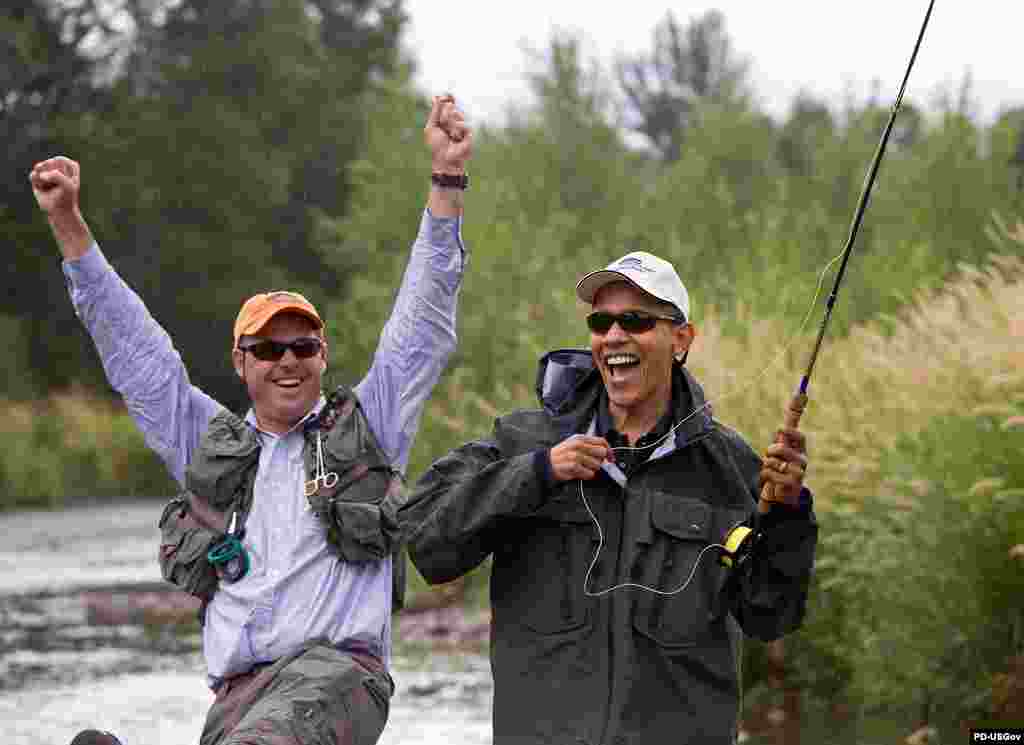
column 228, row 556
column 738, row 546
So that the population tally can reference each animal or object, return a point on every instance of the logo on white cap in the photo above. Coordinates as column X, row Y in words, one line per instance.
column 631, row 262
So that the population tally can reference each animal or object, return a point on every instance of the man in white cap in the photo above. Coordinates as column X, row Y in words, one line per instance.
column 617, row 612
column 286, row 529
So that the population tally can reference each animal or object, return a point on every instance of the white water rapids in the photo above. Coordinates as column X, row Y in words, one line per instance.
column 59, row 673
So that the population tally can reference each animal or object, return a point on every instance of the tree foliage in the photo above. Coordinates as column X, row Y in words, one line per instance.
column 213, row 145
column 688, row 67
column 51, row 58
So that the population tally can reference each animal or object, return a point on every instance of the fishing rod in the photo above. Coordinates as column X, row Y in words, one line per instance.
column 797, row 404
column 739, row 540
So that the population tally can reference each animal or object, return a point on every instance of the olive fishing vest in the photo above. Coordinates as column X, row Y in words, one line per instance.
column 359, row 510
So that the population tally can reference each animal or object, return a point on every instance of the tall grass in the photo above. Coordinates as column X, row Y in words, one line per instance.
column 956, row 351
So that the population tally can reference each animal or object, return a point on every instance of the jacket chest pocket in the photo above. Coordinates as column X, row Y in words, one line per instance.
column 541, row 576
column 679, row 563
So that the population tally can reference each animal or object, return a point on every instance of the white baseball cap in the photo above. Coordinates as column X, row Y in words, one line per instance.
column 645, row 271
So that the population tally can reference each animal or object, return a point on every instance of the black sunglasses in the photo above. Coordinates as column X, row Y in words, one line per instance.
column 632, row 321
column 271, row 351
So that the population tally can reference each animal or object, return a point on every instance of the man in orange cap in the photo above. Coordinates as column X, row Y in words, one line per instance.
column 286, row 529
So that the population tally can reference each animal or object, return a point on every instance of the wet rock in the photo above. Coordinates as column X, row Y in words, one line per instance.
column 150, row 608
column 450, row 625
column 428, row 689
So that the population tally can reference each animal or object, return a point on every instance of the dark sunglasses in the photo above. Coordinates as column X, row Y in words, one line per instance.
column 632, row 321
column 271, row 351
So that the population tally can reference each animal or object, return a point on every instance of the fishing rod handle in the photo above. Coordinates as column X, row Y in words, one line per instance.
column 794, row 411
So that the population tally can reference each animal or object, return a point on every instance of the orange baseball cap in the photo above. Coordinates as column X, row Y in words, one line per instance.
column 259, row 309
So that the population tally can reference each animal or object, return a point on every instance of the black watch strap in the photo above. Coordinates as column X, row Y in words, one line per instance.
column 450, row 181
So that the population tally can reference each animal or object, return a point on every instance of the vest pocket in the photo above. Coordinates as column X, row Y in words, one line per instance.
column 355, row 516
column 183, row 546
column 358, row 510
column 682, row 527
column 359, row 535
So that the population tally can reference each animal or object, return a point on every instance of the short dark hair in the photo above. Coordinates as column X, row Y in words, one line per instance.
column 670, row 309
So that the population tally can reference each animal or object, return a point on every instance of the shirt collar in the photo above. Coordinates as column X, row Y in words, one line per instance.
column 606, row 425
column 250, row 419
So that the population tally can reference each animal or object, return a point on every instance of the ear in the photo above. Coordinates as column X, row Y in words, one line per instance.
column 238, row 360
column 323, row 355
column 682, row 337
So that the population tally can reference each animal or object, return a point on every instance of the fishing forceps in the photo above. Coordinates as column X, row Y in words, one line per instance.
column 322, row 477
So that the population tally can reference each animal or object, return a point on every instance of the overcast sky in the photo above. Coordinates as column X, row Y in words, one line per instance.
column 828, row 48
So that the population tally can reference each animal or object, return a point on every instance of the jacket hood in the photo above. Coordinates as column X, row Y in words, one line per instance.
column 569, row 383
column 560, row 375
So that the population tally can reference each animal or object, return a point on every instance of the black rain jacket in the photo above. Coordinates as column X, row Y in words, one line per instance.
column 627, row 666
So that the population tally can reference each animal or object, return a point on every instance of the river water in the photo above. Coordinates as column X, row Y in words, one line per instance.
column 79, row 592
column 85, row 642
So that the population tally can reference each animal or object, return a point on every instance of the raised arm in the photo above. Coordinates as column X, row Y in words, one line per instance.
column 138, row 357
column 419, row 337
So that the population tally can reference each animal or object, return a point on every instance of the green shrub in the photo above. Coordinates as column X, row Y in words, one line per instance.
column 74, row 447
column 929, row 569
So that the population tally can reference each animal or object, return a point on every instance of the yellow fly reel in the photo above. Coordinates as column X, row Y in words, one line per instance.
column 737, row 545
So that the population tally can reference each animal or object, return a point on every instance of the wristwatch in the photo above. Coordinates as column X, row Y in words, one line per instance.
column 450, row 181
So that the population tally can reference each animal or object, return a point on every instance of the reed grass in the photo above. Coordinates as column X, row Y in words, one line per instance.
column 959, row 350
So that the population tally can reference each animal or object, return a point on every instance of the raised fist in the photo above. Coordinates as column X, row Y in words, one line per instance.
column 55, row 184
column 449, row 137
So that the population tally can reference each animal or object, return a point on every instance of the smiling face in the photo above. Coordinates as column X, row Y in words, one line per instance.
column 637, row 368
column 282, row 392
